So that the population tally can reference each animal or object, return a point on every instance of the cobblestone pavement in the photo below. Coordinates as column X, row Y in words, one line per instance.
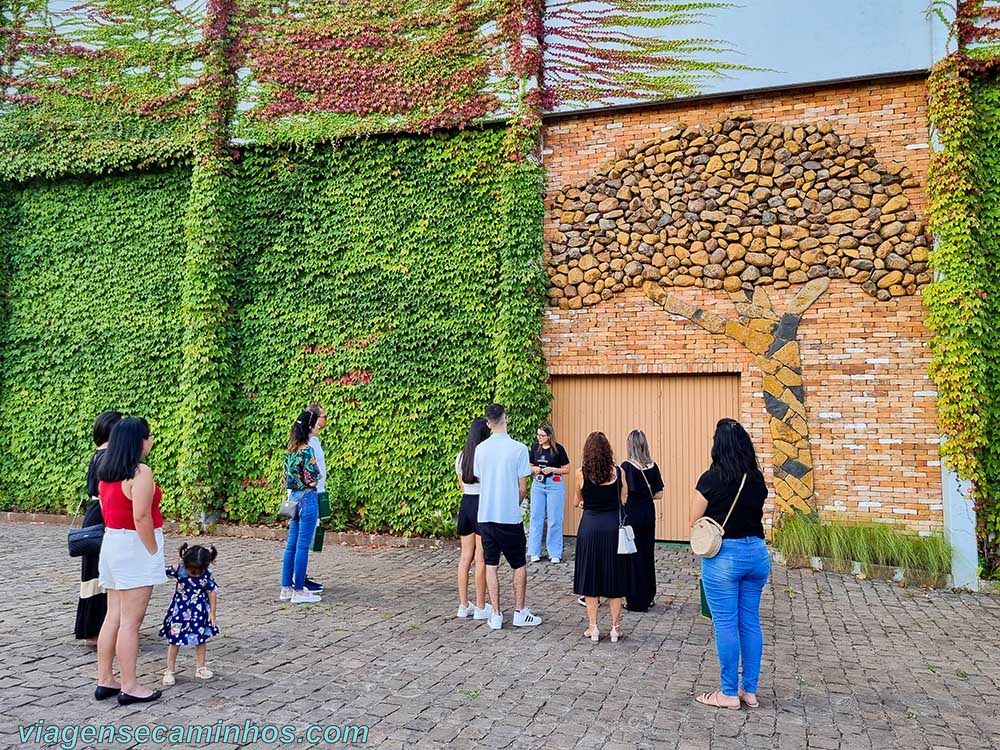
column 847, row 664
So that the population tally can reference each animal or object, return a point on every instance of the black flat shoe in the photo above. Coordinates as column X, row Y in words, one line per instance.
column 125, row 699
column 102, row 693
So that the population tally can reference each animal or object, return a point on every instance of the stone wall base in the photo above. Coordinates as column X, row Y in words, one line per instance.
column 273, row 533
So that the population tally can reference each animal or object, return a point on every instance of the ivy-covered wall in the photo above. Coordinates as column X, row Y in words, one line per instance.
column 370, row 281
column 397, row 281
column 93, row 322
column 964, row 303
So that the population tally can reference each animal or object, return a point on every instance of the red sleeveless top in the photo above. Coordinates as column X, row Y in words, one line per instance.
column 117, row 508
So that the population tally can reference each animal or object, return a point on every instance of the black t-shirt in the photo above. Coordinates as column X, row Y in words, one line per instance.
column 747, row 517
column 638, row 492
column 543, row 457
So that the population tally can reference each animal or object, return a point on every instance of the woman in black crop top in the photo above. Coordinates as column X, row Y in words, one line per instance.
column 735, row 578
column 600, row 570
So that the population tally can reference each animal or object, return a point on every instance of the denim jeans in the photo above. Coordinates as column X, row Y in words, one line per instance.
column 734, row 580
column 300, row 537
column 547, row 504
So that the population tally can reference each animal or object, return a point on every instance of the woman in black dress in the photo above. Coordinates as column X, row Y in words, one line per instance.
column 600, row 570
column 93, row 604
column 645, row 487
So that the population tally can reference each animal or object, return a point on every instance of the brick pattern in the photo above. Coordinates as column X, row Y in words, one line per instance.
column 869, row 401
column 891, row 115
column 773, row 339
column 848, row 664
column 870, row 404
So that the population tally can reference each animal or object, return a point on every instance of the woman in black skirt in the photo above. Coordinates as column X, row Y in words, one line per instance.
column 600, row 570
column 645, row 487
column 93, row 604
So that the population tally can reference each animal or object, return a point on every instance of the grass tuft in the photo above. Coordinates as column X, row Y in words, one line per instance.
column 802, row 537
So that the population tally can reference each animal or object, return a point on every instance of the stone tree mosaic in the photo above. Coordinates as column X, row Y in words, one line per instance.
column 740, row 206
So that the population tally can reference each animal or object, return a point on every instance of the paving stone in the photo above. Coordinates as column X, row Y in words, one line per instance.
column 848, row 665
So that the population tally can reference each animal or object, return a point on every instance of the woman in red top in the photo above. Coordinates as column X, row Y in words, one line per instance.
column 131, row 560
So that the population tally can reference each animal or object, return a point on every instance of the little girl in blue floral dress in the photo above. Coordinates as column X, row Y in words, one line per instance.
column 190, row 620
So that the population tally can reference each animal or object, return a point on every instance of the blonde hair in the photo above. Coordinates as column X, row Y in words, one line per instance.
column 638, row 448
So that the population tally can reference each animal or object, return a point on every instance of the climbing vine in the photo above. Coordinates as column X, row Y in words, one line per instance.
column 93, row 322
column 104, row 85
column 374, row 281
column 397, row 280
column 207, row 282
column 963, row 304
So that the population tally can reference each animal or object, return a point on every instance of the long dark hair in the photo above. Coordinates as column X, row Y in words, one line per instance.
column 732, row 451
column 124, row 453
column 598, row 459
column 301, row 428
column 105, row 421
column 478, row 432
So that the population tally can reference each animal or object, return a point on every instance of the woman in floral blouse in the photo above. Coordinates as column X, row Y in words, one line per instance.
column 301, row 476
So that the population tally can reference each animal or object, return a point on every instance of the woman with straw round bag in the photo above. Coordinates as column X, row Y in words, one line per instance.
column 728, row 533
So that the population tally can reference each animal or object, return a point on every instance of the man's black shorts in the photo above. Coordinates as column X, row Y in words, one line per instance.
column 503, row 538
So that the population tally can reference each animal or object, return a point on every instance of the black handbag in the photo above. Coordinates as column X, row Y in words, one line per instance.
column 86, row 540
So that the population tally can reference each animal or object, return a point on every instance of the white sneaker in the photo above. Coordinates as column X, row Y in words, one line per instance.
column 556, row 560
column 496, row 620
column 304, row 597
column 465, row 610
column 286, row 593
column 168, row 678
column 525, row 619
column 484, row 613
column 535, row 558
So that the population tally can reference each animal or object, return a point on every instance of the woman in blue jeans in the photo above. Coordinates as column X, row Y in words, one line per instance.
column 549, row 467
column 302, row 474
column 735, row 578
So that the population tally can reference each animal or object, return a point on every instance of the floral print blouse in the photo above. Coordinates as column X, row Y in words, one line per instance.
column 301, row 470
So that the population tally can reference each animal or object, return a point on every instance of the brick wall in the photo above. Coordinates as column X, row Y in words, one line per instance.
column 870, row 403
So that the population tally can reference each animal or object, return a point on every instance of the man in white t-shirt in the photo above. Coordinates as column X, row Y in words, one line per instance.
column 502, row 466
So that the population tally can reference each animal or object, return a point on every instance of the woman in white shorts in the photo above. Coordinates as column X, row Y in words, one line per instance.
column 131, row 560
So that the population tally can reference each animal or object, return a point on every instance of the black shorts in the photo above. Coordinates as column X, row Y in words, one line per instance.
column 467, row 513
column 505, row 538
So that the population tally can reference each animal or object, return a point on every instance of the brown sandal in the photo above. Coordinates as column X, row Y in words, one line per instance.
column 712, row 699
column 745, row 702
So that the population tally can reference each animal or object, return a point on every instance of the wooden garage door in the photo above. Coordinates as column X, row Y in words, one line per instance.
column 678, row 414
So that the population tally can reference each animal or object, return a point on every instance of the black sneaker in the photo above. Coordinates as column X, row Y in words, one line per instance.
column 313, row 587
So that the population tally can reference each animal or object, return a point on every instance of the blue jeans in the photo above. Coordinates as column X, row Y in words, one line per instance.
column 734, row 580
column 547, row 504
column 300, row 538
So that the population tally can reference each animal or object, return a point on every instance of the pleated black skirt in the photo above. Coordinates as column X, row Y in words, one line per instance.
column 600, row 570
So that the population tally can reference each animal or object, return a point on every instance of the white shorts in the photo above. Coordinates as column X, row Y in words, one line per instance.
column 125, row 563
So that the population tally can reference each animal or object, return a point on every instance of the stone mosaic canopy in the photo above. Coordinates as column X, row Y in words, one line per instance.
column 737, row 205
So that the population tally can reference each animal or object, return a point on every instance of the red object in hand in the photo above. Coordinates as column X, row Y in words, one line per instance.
column 556, row 478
